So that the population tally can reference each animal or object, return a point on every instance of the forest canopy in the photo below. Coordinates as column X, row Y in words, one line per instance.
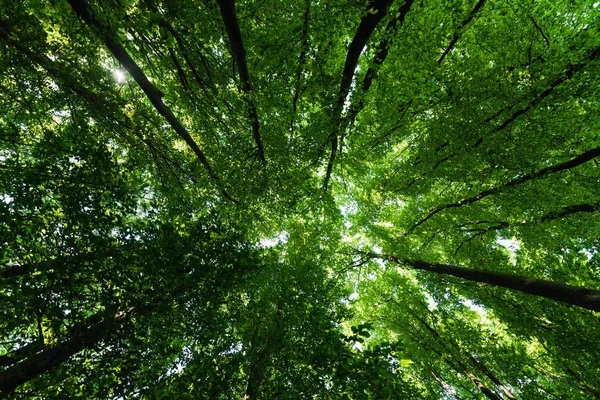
column 300, row 199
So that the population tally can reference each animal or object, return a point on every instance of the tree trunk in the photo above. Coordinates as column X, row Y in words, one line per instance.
column 577, row 296
column 84, row 336
column 483, row 389
column 84, row 11
column 493, row 378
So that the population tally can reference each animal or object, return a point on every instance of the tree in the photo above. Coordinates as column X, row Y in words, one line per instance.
column 268, row 199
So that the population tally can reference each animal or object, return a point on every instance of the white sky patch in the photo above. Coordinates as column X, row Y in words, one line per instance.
column 431, row 303
column 59, row 116
column 119, row 75
column 357, row 346
column 281, row 238
column 236, row 348
column 589, row 253
column 512, row 245
column 181, row 361
column 474, row 307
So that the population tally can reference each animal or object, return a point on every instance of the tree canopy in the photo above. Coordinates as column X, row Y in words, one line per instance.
column 326, row 199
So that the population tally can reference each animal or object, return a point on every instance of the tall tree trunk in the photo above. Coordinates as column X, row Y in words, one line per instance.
column 86, row 335
column 483, row 389
column 21, row 353
column 85, row 12
column 577, row 296
column 493, row 378
column 253, row 384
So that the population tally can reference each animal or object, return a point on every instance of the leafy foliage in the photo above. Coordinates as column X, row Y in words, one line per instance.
column 299, row 199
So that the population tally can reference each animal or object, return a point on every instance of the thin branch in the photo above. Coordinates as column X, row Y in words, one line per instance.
column 563, row 212
column 457, row 32
column 581, row 159
column 570, row 70
column 180, row 73
column 540, row 31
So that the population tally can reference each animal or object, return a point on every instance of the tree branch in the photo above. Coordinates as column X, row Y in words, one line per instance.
column 86, row 335
column 456, row 35
column 83, row 10
column 583, row 158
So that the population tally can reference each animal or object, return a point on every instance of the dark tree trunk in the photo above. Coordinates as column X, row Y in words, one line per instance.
column 577, row 296
column 84, row 11
column 84, row 336
column 483, row 389
column 238, row 51
column 376, row 10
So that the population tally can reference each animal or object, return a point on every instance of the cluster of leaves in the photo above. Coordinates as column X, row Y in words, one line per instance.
column 299, row 199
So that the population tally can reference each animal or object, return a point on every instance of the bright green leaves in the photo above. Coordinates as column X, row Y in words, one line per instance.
column 103, row 208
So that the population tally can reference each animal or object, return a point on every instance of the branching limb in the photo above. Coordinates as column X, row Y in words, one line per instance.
column 570, row 70
column 379, row 58
column 457, row 32
column 376, row 10
column 582, row 158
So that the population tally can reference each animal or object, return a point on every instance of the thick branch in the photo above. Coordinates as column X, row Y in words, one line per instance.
column 581, row 159
column 457, row 32
column 227, row 8
column 578, row 296
column 376, row 10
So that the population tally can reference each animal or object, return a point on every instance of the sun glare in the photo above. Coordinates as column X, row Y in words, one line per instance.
column 119, row 75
